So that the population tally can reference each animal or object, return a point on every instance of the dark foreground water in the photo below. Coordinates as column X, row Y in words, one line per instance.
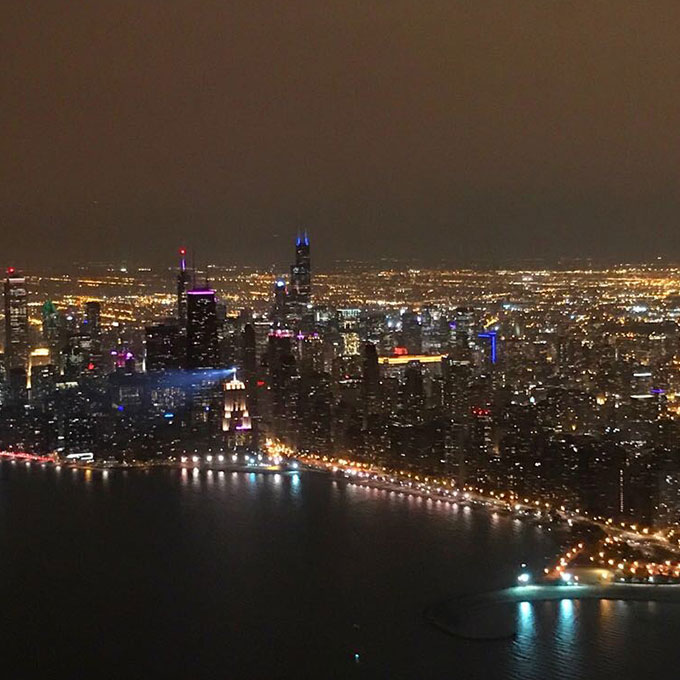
column 212, row 575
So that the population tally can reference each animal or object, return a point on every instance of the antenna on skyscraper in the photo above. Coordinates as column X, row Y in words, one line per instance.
column 193, row 267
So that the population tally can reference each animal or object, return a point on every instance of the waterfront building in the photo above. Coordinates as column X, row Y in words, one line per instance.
column 236, row 422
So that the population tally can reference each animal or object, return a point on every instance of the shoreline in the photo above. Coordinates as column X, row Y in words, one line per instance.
column 149, row 465
column 490, row 615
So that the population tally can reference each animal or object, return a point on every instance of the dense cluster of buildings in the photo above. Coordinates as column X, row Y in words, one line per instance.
column 557, row 385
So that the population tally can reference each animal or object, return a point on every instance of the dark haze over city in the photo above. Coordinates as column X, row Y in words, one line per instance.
column 468, row 132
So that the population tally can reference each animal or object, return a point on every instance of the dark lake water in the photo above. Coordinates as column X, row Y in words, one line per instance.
column 169, row 573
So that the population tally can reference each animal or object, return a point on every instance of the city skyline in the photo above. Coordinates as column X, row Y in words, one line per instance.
column 336, row 335
column 545, row 398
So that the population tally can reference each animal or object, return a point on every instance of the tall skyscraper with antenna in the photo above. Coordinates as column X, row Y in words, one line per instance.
column 301, row 275
column 182, row 288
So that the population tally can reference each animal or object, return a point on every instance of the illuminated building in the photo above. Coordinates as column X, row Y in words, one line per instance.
column 280, row 310
column 348, row 321
column 202, row 343
column 236, row 423
column 492, row 339
column 16, row 321
column 463, row 325
column 182, row 287
column 402, row 358
column 301, row 276
column 38, row 357
column 50, row 324
column 79, row 356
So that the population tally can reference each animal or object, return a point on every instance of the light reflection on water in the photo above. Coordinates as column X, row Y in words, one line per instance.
column 526, row 623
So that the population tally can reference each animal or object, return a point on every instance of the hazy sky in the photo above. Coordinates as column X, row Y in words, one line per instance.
column 459, row 130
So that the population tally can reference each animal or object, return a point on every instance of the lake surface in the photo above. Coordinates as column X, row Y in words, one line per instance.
column 169, row 573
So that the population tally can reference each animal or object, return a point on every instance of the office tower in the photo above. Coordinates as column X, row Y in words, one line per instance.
column 348, row 324
column 457, row 379
column 236, row 422
column 463, row 324
column 202, row 343
column 413, row 392
column 309, row 349
column 370, row 386
column 43, row 381
column 80, row 356
column 249, row 352
column 16, row 321
column 301, row 274
column 92, row 328
column 282, row 378
column 163, row 346
column 38, row 358
column 491, row 338
column 93, row 312
column 371, row 370
column 182, row 287
column 50, row 324
column 280, row 309
column 411, row 333
column 249, row 362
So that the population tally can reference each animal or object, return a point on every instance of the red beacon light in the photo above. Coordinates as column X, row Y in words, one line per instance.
column 11, row 270
column 182, row 251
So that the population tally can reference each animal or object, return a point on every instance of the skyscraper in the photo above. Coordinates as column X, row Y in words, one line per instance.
column 301, row 275
column 236, row 423
column 16, row 321
column 163, row 346
column 182, row 287
column 50, row 323
column 93, row 313
column 280, row 309
column 411, row 332
column 249, row 354
column 370, row 385
column 202, row 343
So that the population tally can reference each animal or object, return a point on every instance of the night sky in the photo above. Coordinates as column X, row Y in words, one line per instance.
column 467, row 131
